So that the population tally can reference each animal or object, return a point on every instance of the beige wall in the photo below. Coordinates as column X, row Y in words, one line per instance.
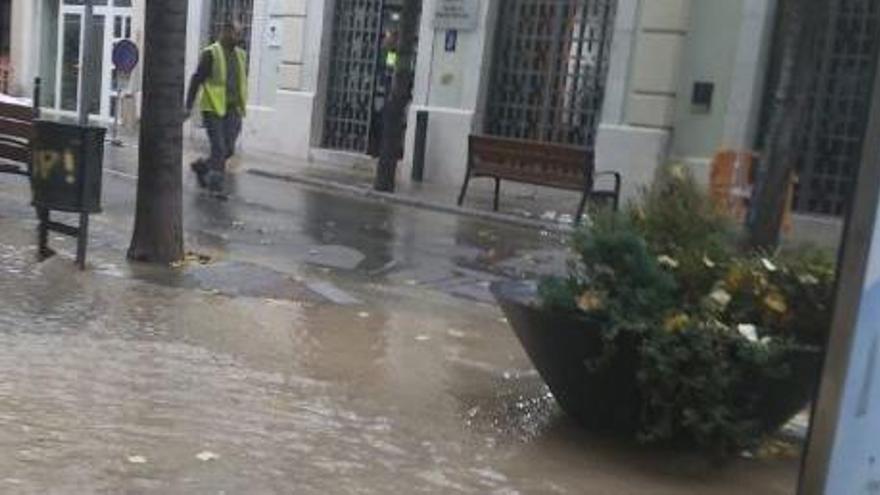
column 709, row 55
column 662, row 32
column 291, row 16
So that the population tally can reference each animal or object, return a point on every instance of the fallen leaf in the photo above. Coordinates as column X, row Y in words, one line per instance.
column 776, row 302
column 207, row 456
column 668, row 261
column 768, row 265
column 591, row 301
column 750, row 332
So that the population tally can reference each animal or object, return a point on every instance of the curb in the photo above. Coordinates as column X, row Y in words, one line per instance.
column 362, row 192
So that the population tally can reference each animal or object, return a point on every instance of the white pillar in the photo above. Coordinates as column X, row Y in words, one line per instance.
column 450, row 86
column 25, row 45
column 643, row 82
column 620, row 59
column 750, row 73
column 285, row 76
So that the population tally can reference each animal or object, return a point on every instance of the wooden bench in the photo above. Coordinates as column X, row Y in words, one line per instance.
column 16, row 133
column 542, row 164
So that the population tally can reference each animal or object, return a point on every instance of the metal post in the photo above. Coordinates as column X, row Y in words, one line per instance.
column 831, row 416
column 87, row 84
column 38, row 85
column 88, row 89
column 418, row 170
column 115, row 141
column 82, row 241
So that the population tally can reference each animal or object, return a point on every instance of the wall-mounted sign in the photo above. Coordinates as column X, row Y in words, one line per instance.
column 451, row 40
column 463, row 15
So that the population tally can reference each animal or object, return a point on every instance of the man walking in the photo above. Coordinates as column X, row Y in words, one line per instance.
column 222, row 79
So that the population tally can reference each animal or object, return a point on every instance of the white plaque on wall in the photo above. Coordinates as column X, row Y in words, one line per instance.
column 463, row 15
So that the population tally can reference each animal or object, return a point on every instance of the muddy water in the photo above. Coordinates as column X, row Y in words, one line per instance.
column 115, row 385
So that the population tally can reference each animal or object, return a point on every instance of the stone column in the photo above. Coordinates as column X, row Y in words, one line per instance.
column 642, row 89
column 288, row 38
column 750, row 74
column 449, row 85
column 24, row 45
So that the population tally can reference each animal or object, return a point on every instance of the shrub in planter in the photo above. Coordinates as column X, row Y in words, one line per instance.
column 725, row 341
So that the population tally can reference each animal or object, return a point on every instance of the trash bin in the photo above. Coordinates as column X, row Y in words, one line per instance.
column 68, row 161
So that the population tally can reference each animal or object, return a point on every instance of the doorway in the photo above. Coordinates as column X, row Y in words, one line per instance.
column 112, row 23
column 549, row 70
column 362, row 64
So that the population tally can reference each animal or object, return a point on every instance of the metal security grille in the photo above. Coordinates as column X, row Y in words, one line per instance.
column 225, row 11
column 551, row 62
column 832, row 136
column 357, row 31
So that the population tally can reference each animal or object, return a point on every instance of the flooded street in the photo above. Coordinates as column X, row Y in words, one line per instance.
column 348, row 359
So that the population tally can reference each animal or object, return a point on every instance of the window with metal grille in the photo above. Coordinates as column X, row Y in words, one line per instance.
column 226, row 11
column 549, row 69
column 349, row 111
column 831, row 137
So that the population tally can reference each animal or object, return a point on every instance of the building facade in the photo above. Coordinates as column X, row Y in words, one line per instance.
column 643, row 82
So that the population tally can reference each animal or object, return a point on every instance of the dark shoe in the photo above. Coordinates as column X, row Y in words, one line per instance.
column 200, row 168
column 215, row 181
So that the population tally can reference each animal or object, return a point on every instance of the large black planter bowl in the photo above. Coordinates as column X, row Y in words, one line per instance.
column 607, row 398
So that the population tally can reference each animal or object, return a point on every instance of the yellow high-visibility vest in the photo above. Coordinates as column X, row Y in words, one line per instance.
column 391, row 59
column 213, row 97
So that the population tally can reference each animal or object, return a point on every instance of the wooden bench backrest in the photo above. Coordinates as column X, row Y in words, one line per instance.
column 531, row 162
column 16, row 132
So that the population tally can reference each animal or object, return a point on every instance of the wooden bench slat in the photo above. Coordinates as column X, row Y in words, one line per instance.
column 15, row 153
column 17, row 112
column 538, row 155
column 549, row 164
column 16, row 128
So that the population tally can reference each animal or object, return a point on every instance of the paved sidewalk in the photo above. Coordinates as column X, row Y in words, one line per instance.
column 535, row 206
column 319, row 352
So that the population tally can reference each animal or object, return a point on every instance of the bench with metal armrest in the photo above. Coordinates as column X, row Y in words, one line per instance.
column 543, row 164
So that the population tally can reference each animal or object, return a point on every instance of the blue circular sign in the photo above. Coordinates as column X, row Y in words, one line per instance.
column 125, row 55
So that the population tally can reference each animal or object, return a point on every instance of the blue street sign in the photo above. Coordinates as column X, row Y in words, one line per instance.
column 451, row 40
column 125, row 56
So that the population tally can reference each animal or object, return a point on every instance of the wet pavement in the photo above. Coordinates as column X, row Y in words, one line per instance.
column 332, row 345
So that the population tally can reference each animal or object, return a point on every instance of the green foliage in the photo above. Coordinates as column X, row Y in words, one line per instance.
column 710, row 320
column 676, row 217
column 697, row 384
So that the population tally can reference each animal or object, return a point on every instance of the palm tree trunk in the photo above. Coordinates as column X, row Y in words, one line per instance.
column 394, row 115
column 158, row 229
column 803, row 23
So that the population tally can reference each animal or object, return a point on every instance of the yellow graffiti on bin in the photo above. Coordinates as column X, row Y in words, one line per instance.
column 69, row 166
column 46, row 161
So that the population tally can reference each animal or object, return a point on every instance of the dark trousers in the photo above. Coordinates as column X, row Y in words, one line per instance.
column 223, row 133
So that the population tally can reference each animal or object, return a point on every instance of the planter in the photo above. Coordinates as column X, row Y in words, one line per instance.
column 608, row 399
